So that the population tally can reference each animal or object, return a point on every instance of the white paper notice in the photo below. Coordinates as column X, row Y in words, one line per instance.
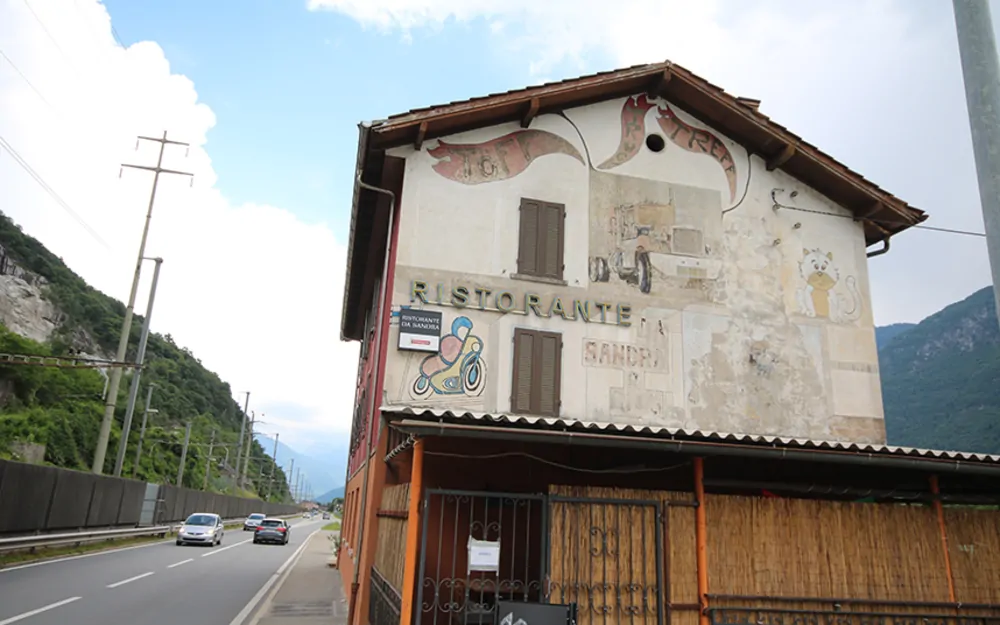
column 484, row 555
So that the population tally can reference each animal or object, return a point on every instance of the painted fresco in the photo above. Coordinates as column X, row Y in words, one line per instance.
column 822, row 293
column 498, row 159
column 459, row 368
column 685, row 136
column 633, row 120
column 744, row 321
column 646, row 233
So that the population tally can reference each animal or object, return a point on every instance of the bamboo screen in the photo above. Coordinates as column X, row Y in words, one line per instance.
column 600, row 551
column 810, row 548
column 974, row 544
column 390, row 555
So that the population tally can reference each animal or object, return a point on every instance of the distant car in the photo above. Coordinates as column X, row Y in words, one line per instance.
column 326, row 516
column 253, row 521
column 201, row 528
column 272, row 531
column 306, row 515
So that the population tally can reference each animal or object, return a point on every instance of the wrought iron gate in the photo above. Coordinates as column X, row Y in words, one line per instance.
column 451, row 592
column 605, row 555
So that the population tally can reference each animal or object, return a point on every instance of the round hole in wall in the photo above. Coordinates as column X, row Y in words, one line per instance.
column 655, row 142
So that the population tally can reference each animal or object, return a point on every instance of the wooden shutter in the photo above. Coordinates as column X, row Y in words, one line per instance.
column 540, row 239
column 524, row 353
column 527, row 249
column 550, row 240
column 537, row 373
column 548, row 373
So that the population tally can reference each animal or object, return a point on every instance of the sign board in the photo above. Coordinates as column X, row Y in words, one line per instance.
column 484, row 555
column 419, row 330
column 521, row 613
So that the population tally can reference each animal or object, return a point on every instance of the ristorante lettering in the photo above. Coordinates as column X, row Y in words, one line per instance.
column 506, row 302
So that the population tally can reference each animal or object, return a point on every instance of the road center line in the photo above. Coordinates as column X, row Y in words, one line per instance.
column 221, row 549
column 51, row 606
column 180, row 563
column 125, row 581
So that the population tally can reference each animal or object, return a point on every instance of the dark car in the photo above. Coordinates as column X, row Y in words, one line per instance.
column 272, row 531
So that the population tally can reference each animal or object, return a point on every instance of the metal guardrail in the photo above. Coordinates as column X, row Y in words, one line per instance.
column 34, row 541
column 19, row 543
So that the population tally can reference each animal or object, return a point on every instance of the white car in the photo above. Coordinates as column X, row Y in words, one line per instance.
column 252, row 522
column 201, row 528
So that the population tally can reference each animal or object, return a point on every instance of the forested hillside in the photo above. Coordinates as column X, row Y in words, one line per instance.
column 61, row 408
column 941, row 379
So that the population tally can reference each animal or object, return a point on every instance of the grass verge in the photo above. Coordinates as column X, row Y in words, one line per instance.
column 334, row 526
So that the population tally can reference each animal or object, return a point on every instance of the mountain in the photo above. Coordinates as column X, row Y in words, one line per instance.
column 941, row 379
column 327, row 497
column 53, row 414
column 324, row 473
column 884, row 334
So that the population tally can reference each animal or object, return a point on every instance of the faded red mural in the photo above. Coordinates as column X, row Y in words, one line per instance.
column 497, row 159
column 697, row 140
column 633, row 131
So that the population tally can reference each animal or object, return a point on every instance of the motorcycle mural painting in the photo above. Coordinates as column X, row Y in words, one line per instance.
column 457, row 369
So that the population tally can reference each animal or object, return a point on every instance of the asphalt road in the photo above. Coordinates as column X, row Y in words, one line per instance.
column 156, row 584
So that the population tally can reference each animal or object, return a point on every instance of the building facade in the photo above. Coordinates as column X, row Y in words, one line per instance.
column 635, row 263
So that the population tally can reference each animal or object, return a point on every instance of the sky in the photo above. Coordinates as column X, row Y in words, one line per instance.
column 269, row 93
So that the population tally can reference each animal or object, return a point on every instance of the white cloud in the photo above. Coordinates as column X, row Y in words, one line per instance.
column 875, row 83
column 252, row 290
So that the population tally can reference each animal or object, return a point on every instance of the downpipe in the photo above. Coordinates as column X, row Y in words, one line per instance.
column 372, row 405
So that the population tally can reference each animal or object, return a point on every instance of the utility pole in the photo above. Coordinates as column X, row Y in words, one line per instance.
column 140, row 358
column 291, row 471
column 239, row 446
column 184, row 453
column 977, row 47
column 246, row 457
column 142, row 430
column 116, row 373
column 274, row 463
column 208, row 461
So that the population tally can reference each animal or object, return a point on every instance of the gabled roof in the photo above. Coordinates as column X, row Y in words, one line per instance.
column 738, row 118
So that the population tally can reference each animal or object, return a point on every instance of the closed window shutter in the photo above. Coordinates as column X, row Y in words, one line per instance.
column 524, row 355
column 550, row 240
column 549, row 348
column 535, row 388
column 528, row 249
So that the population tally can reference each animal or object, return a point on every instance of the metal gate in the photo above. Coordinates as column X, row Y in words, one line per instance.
column 478, row 548
column 606, row 556
column 456, row 591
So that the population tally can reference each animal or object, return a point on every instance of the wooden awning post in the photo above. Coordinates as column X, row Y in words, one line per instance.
column 412, row 533
column 701, row 540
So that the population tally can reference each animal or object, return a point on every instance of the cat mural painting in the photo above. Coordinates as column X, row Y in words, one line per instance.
column 458, row 368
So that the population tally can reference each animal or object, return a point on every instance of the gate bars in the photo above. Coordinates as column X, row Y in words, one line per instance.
column 591, row 551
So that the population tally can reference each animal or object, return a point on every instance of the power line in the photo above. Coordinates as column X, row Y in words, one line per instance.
column 21, row 74
column 884, row 221
column 48, row 189
column 49, row 34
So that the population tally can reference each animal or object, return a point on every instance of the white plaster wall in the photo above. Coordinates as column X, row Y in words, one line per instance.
column 744, row 346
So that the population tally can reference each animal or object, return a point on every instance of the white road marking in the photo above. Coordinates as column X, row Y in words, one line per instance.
column 221, row 549
column 82, row 555
column 249, row 608
column 21, row 617
column 126, row 581
column 180, row 563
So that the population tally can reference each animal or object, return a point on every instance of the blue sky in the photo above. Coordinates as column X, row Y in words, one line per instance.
column 289, row 86
column 284, row 84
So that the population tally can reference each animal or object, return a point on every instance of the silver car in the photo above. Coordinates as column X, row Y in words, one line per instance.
column 252, row 522
column 201, row 528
